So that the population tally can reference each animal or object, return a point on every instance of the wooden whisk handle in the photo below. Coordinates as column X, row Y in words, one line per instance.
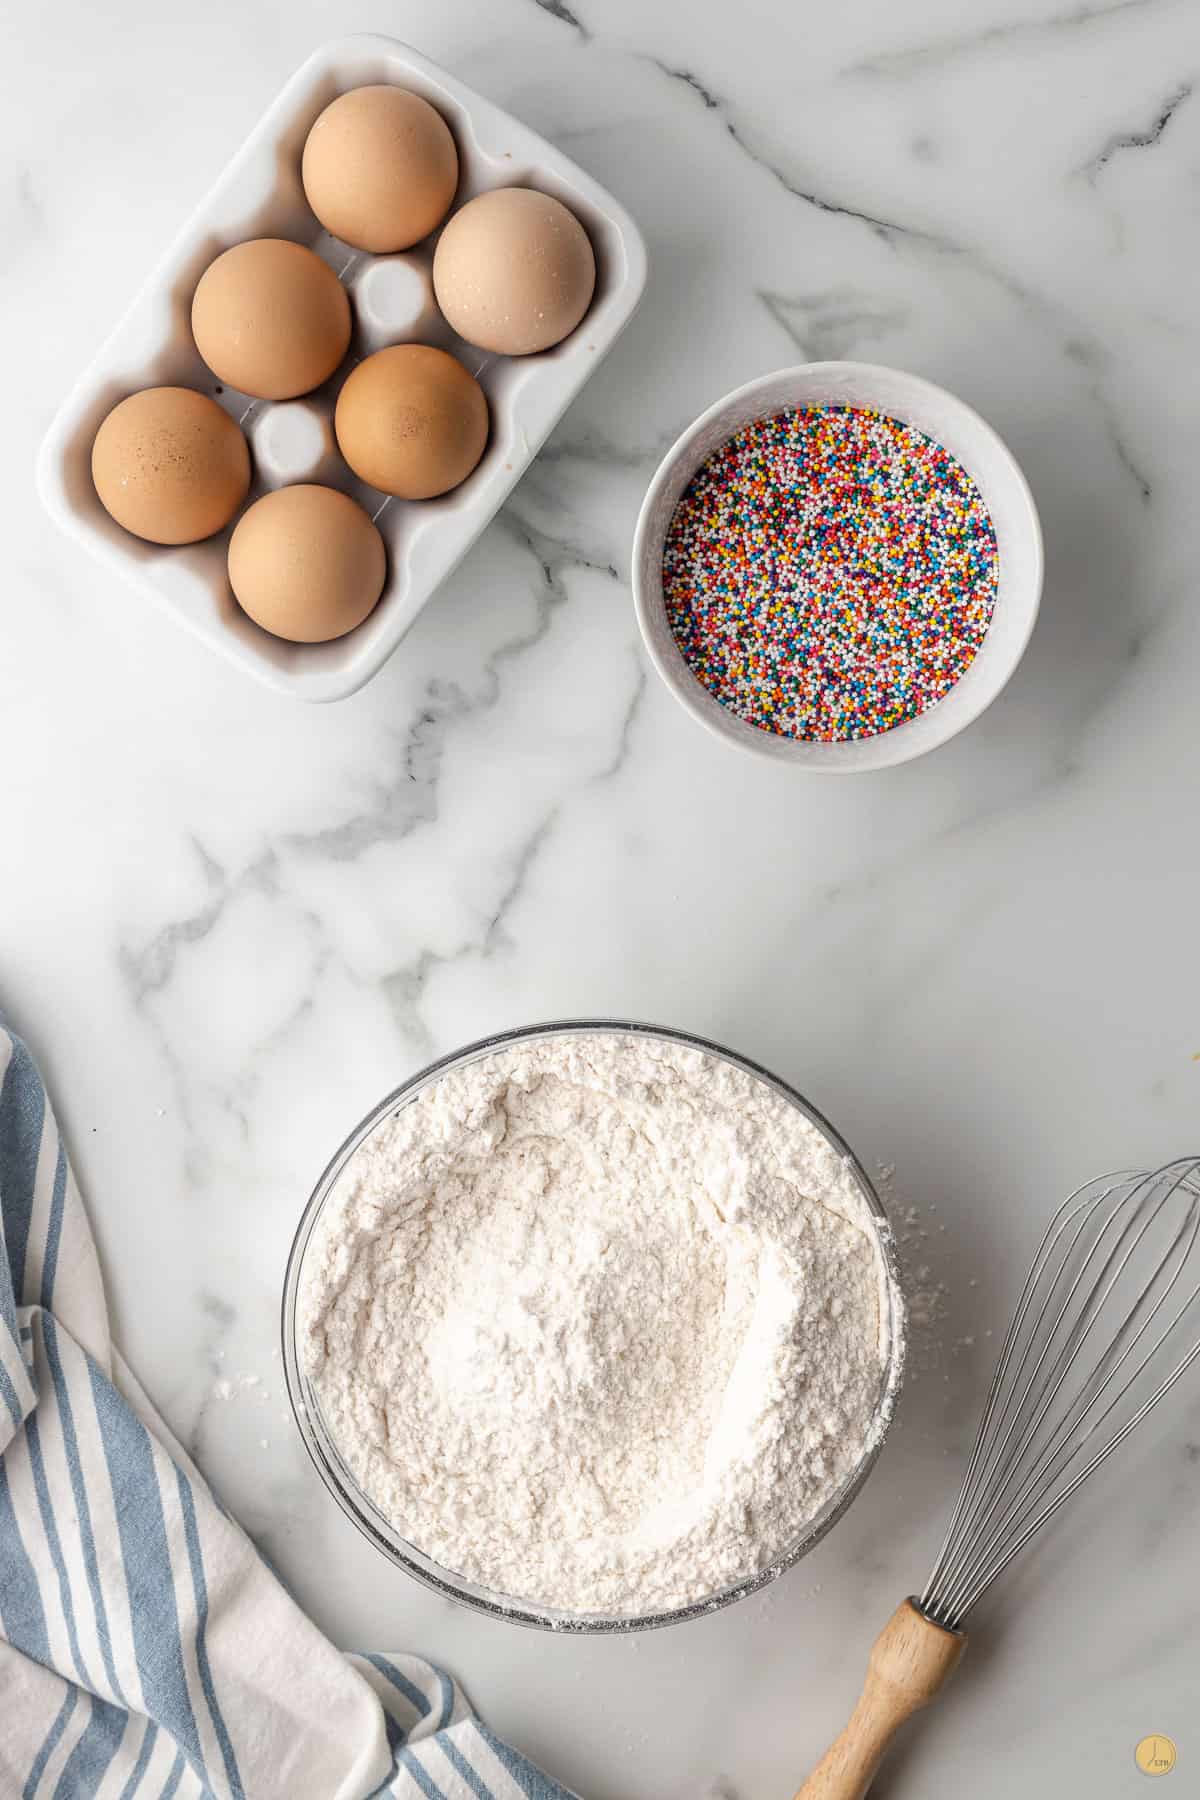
column 910, row 1661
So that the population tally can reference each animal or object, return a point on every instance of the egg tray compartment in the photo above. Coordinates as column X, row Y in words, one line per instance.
column 260, row 195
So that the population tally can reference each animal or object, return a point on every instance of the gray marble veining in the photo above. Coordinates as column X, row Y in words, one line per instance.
column 228, row 924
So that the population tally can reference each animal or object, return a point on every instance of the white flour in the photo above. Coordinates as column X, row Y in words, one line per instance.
column 595, row 1323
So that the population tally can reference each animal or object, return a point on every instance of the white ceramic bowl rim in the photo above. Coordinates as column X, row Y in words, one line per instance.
column 371, row 1522
column 951, row 423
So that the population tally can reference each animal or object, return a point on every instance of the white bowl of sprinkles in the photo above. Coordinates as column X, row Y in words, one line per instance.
column 865, row 604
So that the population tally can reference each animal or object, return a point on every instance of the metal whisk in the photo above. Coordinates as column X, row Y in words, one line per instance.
column 1105, row 1326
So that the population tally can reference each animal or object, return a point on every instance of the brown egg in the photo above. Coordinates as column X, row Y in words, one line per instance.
column 514, row 271
column 306, row 563
column 170, row 466
column 380, row 168
column 271, row 319
column 411, row 421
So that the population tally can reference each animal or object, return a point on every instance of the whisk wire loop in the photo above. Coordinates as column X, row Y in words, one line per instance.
column 1112, row 1358
column 1072, row 1365
column 982, row 1439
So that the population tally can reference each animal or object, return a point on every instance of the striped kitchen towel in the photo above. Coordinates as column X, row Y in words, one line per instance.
column 145, row 1648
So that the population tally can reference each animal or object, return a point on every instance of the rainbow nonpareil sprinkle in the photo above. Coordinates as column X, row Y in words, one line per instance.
column 829, row 573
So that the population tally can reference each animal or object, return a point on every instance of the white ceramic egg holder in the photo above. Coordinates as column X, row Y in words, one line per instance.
column 260, row 195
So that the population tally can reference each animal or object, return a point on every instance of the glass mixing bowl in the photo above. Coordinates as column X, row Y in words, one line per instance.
column 371, row 1522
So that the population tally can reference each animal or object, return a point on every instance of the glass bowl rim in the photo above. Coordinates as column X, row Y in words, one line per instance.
column 362, row 1511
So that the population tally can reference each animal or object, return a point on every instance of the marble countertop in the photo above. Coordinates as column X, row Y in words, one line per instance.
column 229, row 922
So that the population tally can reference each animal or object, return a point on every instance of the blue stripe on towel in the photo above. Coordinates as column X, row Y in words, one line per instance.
column 401, row 1683
column 9, row 1395
column 42, row 1488
column 8, row 1298
column 54, row 1228
column 200, row 1588
column 49, row 1743
column 149, row 1739
column 174, row 1778
column 20, row 1597
column 447, row 1687
column 464, row 1771
column 421, row 1776
column 97, row 1744
column 149, row 1577
column 530, row 1780
column 22, row 1115
column 79, row 1493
